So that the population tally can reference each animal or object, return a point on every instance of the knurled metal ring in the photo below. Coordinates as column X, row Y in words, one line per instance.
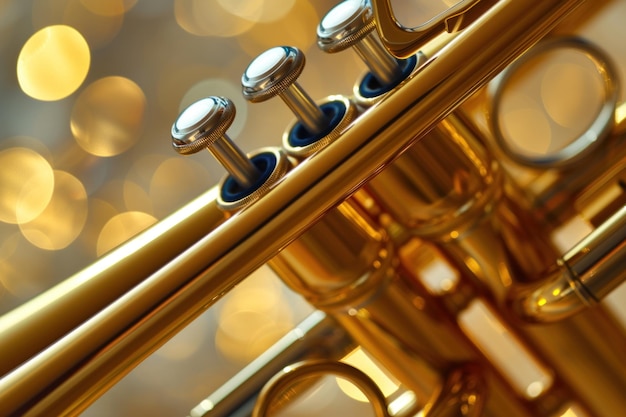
column 345, row 25
column 272, row 72
column 201, row 124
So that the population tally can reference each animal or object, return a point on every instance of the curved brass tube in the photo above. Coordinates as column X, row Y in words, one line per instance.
column 306, row 369
column 64, row 378
column 46, row 318
column 583, row 277
column 403, row 42
column 318, row 335
column 463, row 392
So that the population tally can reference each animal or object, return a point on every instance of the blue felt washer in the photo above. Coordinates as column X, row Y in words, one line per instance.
column 370, row 87
column 299, row 136
column 231, row 191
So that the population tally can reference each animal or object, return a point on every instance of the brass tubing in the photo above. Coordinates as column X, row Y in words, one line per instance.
column 317, row 336
column 463, row 392
column 153, row 311
column 583, row 276
column 598, row 262
column 551, row 191
column 346, row 266
column 474, row 308
column 485, row 230
column 403, row 42
column 44, row 319
column 307, row 369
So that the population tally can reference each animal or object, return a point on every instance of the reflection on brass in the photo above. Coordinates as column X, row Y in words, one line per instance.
column 403, row 42
column 293, row 373
column 317, row 336
column 59, row 353
column 488, row 232
column 582, row 277
column 566, row 152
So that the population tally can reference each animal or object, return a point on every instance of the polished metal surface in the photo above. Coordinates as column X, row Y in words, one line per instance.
column 425, row 252
column 203, row 125
column 404, row 41
column 274, row 73
column 302, row 370
column 350, row 24
column 586, row 274
column 574, row 149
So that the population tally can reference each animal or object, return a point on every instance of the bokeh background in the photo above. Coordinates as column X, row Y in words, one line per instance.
column 88, row 92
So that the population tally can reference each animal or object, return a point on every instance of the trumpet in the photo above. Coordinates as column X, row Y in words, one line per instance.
column 364, row 194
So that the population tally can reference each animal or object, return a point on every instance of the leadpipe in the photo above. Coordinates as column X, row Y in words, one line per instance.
column 46, row 318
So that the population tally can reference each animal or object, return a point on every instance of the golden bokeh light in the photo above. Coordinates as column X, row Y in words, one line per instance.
column 100, row 211
column 121, row 228
column 63, row 218
column 18, row 272
column 136, row 198
column 174, row 80
column 109, row 7
column 53, row 63
column 26, row 184
column 144, row 167
column 107, row 117
column 264, row 11
column 112, row 191
column 252, row 317
column 176, row 181
column 247, row 9
column 203, row 18
column 34, row 144
column 299, row 26
column 244, row 335
column 98, row 21
column 219, row 87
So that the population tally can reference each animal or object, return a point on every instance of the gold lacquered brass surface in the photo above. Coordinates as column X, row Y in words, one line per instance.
column 295, row 220
column 38, row 323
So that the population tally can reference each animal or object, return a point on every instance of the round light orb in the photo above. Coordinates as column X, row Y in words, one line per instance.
column 107, row 118
column 53, row 63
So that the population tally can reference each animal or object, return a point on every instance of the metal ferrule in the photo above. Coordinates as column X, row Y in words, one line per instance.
column 254, row 191
column 598, row 262
column 583, row 277
column 332, row 132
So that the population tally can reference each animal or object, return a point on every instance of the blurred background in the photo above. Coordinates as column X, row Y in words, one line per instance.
column 88, row 92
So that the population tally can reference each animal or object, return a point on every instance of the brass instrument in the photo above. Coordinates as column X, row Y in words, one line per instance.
column 350, row 212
